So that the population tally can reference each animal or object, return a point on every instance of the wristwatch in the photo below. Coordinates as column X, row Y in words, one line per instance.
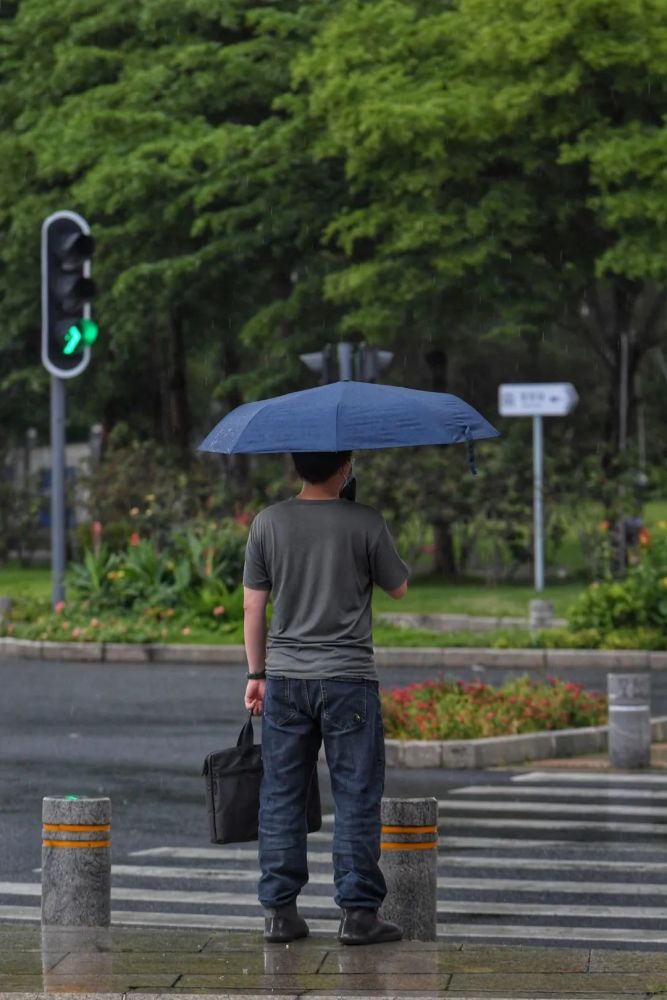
column 256, row 675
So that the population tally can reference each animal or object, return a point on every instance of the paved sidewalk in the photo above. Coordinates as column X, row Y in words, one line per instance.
column 140, row 962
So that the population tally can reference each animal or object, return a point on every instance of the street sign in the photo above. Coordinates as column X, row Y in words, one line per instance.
column 537, row 399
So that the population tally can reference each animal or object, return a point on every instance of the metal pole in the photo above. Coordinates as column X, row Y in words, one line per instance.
column 537, row 503
column 57, row 488
column 345, row 361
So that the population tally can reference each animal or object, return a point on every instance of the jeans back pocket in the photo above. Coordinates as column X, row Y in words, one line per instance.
column 344, row 704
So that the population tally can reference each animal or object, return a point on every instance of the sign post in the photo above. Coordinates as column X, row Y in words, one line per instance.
column 537, row 400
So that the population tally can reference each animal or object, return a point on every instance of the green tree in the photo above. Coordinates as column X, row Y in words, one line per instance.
column 506, row 165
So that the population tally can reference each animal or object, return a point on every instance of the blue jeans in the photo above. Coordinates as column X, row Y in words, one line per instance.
column 298, row 716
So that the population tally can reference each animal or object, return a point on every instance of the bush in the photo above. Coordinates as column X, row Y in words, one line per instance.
column 197, row 568
column 637, row 602
column 446, row 710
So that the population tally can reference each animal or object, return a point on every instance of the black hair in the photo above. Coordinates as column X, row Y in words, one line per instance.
column 318, row 466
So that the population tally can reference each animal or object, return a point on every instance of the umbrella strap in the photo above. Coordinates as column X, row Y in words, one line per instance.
column 471, row 450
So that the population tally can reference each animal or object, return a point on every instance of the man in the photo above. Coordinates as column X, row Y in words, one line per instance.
column 319, row 556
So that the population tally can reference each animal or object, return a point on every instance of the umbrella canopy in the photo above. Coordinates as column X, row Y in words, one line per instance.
column 347, row 416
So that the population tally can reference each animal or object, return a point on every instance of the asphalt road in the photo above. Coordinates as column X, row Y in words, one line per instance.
column 139, row 734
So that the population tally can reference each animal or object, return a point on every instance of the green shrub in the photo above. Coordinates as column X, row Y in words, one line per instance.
column 451, row 710
column 207, row 560
column 639, row 602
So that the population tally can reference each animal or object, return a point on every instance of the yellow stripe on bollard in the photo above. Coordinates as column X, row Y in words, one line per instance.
column 409, row 846
column 76, row 827
column 76, row 843
column 409, row 829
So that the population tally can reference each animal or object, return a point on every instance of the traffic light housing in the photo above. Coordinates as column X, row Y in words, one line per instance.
column 371, row 362
column 322, row 363
column 67, row 290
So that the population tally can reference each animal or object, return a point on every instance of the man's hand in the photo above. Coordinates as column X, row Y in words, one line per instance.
column 254, row 696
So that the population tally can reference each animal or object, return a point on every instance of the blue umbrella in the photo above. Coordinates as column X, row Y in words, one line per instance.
column 348, row 416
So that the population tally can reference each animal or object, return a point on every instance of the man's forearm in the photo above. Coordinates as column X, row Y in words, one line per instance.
column 254, row 634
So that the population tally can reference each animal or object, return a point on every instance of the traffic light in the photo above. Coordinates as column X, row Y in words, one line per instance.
column 67, row 290
column 321, row 362
column 371, row 362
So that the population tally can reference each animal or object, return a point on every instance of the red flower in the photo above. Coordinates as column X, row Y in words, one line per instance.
column 644, row 538
column 135, row 538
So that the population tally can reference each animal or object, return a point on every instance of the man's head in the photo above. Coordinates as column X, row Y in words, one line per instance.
column 319, row 466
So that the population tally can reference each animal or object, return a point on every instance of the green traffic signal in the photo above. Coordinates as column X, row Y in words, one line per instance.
column 85, row 330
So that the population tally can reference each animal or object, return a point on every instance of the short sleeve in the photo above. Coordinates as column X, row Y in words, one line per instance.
column 386, row 566
column 255, row 572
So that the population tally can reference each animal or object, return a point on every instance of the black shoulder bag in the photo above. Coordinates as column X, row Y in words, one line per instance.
column 232, row 780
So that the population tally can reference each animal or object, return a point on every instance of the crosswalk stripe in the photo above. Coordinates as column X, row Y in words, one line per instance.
column 561, row 824
column 445, row 882
column 580, row 935
column 558, row 808
column 311, row 902
column 536, row 791
column 592, row 777
column 619, row 868
column 555, row 864
column 449, row 931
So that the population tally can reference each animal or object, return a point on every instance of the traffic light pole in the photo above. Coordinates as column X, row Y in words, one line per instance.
column 58, row 488
column 538, row 496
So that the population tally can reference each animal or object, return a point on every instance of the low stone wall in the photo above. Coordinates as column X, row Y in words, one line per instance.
column 496, row 751
column 460, row 623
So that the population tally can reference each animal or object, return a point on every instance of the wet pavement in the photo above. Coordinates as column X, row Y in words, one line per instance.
column 135, row 962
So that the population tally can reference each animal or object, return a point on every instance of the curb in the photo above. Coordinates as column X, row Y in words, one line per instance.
column 495, row 751
column 437, row 657
column 463, row 623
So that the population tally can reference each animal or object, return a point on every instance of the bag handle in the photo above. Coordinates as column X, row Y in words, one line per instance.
column 246, row 736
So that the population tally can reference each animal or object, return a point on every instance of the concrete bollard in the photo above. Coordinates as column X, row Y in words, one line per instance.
column 629, row 720
column 76, row 862
column 409, row 863
column 540, row 614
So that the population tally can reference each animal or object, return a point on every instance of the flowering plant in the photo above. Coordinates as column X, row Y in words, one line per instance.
column 637, row 602
column 454, row 710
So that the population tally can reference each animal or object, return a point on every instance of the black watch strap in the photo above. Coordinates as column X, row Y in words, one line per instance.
column 257, row 675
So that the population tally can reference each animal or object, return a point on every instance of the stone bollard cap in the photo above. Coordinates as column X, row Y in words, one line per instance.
column 629, row 689
column 71, row 809
column 409, row 812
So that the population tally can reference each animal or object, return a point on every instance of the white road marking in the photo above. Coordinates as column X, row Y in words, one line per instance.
column 563, row 824
column 557, row 808
column 308, row 902
column 578, row 935
column 593, row 777
column 553, row 791
column 509, row 932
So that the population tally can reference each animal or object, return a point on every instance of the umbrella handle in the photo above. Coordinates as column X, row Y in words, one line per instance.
column 349, row 491
column 471, row 450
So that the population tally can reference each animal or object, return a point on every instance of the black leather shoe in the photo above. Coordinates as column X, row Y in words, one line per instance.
column 362, row 926
column 284, row 924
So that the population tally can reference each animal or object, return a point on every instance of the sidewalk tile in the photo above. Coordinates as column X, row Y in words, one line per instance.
column 122, row 982
column 603, row 960
column 358, row 982
column 125, row 939
column 517, row 958
column 601, row 983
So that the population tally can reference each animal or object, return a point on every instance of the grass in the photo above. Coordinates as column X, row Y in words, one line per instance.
column 425, row 595
column 430, row 595
column 17, row 582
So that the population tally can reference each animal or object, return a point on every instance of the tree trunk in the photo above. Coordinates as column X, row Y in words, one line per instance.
column 444, row 556
column 179, row 405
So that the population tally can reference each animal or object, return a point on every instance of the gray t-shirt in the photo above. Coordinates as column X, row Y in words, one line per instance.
column 320, row 559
